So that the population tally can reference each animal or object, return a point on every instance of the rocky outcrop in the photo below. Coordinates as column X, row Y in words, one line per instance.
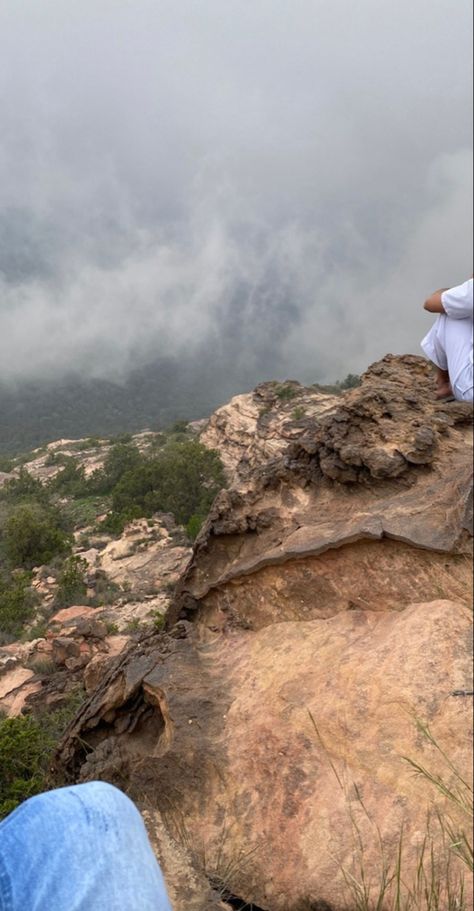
column 318, row 646
column 134, row 573
column 257, row 426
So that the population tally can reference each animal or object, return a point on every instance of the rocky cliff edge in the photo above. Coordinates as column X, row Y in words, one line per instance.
column 317, row 648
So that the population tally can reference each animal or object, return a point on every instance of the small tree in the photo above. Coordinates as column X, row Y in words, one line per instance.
column 16, row 604
column 72, row 588
column 33, row 535
column 70, row 480
column 122, row 458
column 25, row 486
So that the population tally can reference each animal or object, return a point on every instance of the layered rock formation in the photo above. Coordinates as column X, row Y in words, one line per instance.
column 322, row 623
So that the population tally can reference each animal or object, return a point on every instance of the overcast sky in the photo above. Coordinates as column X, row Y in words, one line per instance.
column 276, row 183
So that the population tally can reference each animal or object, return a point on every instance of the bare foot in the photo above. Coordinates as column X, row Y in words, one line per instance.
column 443, row 390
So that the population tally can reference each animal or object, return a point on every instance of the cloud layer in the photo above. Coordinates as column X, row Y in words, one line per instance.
column 276, row 184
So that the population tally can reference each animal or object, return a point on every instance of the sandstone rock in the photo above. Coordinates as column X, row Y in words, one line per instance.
column 145, row 558
column 257, row 426
column 100, row 664
column 323, row 617
column 13, row 679
column 89, row 628
column 7, row 663
column 136, row 614
column 187, row 885
column 13, row 703
column 64, row 648
column 71, row 613
column 16, row 685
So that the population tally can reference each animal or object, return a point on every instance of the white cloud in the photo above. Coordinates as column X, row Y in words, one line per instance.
column 284, row 180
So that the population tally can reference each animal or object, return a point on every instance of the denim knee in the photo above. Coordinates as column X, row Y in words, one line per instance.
column 79, row 848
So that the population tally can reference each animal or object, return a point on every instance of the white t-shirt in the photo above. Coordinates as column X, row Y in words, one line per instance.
column 457, row 302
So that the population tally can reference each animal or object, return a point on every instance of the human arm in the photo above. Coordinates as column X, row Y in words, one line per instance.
column 433, row 303
column 454, row 302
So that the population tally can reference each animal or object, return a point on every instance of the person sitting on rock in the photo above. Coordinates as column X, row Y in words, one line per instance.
column 449, row 342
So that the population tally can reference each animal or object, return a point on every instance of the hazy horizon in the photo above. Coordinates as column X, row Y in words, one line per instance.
column 273, row 187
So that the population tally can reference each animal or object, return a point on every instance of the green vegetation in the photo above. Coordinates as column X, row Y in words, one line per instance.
column 193, row 526
column 286, row 391
column 350, row 382
column 81, row 512
column 17, row 603
column 72, row 588
column 24, row 487
column 121, row 458
column 298, row 413
column 37, row 520
column 33, row 535
column 182, row 479
column 158, row 620
column 27, row 745
column 70, row 481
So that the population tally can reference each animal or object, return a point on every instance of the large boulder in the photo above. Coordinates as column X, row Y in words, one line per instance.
column 317, row 654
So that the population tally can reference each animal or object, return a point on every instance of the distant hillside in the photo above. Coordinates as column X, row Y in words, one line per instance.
column 154, row 396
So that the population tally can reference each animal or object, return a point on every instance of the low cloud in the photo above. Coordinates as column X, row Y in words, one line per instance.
column 280, row 191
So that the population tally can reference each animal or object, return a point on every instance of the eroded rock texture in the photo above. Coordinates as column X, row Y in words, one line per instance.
column 323, row 620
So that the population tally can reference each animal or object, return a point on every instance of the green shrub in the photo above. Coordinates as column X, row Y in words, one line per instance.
column 193, row 526
column 182, row 479
column 27, row 745
column 298, row 413
column 70, row 481
column 33, row 535
column 350, row 382
column 24, row 487
column 17, row 603
column 56, row 458
column 72, row 588
column 111, row 627
column 121, row 458
column 82, row 512
column 120, row 438
column 23, row 746
column 285, row 392
column 159, row 620
column 89, row 443
column 6, row 464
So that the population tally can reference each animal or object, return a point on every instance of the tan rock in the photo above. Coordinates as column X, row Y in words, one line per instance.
column 16, row 685
column 326, row 608
column 99, row 665
column 14, row 679
column 71, row 613
column 144, row 559
column 186, row 881
column 63, row 648
column 13, row 703
column 257, row 426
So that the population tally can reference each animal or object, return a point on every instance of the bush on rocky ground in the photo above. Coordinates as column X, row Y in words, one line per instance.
column 182, row 479
column 17, row 603
column 27, row 744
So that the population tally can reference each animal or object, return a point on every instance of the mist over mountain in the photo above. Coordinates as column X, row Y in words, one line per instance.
column 272, row 187
column 153, row 396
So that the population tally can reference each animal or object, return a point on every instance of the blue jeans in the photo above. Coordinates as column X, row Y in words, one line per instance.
column 82, row 848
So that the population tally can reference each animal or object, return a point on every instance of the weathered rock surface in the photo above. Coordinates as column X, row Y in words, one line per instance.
column 139, row 570
column 150, row 555
column 324, row 612
column 258, row 425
